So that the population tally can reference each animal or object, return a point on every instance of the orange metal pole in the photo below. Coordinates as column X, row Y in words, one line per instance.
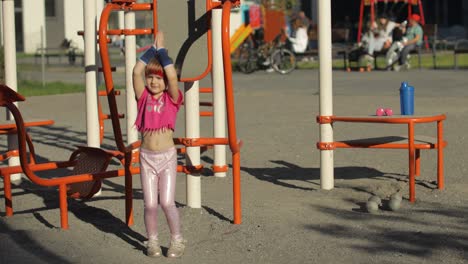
column 440, row 155
column 155, row 18
column 8, row 196
column 418, row 162
column 128, row 190
column 106, row 69
column 233, row 144
column 63, row 206
column 361, row 16
column 412, row 194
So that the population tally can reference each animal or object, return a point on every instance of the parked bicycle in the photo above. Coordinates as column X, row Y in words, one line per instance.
column 255, row 55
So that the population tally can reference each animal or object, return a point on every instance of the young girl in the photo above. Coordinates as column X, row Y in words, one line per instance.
column 158, row 103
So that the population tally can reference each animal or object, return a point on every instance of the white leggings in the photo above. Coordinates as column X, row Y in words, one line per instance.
column 158, row 170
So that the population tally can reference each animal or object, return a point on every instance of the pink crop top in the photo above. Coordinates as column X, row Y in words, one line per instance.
column 155, row 114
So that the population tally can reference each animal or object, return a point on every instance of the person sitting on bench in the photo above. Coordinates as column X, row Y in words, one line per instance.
column 298, row 40
column 400, row 50
column 379, row 37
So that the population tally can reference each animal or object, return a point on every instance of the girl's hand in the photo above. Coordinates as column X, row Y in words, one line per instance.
column 159, row 40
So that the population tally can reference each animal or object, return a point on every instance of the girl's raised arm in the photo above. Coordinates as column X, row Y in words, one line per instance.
column 138, row 81
column 168, row 65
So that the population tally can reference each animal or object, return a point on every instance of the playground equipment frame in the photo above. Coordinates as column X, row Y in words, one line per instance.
column 411, row 142
column 130, row 152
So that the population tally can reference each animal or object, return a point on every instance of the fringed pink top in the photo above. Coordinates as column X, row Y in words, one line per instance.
column 155, row 114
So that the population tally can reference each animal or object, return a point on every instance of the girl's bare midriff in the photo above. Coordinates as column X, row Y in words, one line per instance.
column 158, row 140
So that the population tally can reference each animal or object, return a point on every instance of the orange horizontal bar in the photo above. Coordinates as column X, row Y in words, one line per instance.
column 104, row 93
column 401, row 119
column 107, row 116
column 189, row 169
column 377, row 145
column 37, row 167
column 9, row 154
column 197, row 142
column 141, row 31
column 216, row 168
column 206, row 113
column 206, row 90
column 10, row 128
column 132, row 6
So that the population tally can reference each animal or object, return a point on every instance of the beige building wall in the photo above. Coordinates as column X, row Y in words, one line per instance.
column 33, row 21
column 55, row 26
column 73, row 21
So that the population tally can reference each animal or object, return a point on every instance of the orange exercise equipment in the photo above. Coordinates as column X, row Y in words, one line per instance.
column 130, row 153
column 88, row 164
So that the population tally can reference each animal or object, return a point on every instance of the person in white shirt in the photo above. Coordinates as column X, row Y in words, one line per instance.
column 379, row 36
column 299, row 38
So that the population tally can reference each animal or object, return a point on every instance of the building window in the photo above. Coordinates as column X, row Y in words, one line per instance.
column 50, row 8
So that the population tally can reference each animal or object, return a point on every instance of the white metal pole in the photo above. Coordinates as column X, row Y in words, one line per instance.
column 10, row 70
column 10, row 46
column 92, row 115
column 326, row 92
column 219, row 99
column 99, row 7
column 121, row 19
column 130, row 59
column 192, row 130
column 43, row 46
column 1, row 25
column 99, row 76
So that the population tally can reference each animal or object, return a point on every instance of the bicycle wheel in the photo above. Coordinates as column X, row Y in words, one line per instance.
column 283, row 61
column 247, row 62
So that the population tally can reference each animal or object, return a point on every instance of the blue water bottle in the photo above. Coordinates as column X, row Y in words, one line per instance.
column 406, row 99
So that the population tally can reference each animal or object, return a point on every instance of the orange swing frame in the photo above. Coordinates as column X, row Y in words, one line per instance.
column 372, row 3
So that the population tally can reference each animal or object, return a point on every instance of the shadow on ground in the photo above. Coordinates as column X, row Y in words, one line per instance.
column 430, row 230
column 287, row 171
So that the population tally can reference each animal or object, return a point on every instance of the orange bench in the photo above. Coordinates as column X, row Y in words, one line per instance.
column 410, row 142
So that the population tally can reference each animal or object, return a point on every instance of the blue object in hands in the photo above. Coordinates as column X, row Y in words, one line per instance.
column 148, row 55
column 163, row 57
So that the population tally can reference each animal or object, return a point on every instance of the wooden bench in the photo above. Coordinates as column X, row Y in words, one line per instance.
column 428, row 46
column 461, row 47
column 59, row 53
column 414, row 144
column 340, row 39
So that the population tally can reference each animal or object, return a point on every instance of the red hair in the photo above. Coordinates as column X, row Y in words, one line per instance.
column 154, row 67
